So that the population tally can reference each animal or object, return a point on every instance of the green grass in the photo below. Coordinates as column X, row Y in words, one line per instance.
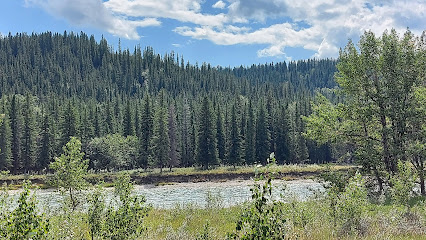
column 305, row 221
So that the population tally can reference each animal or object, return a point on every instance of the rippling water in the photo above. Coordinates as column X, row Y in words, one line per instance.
column 225, row 193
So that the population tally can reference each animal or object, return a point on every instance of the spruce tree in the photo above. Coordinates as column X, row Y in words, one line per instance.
column 173, row 139
column 5, row 143
column 68, row 124
column 220, row 136
column 250, row 136
column 146, row 132
column 16, row 126
column 282, row 151
column 206, row 148
column 129, row 129
column 46, row 147
column 159, row 144
column 262, row 136
column 235, row 146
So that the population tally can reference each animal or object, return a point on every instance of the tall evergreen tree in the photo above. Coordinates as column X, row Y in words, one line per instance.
column 250, row 136
column 129, row 128
column 147, row 123
column 5, row 143
column 262, row 136
column 46, row 152
column 16, row 126
column 206, row 148
column 98, row 123
column 68, row 124
column 159, row 144
column 282, row 151
column 235, row 145
column 173, row 139
column 187, row 135
column 29, row 143
column 220, row 137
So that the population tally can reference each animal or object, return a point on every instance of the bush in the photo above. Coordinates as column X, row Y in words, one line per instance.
column 24, row 222
column 347, row 207
column 264, row 217
column 402, row 184
column 126, row 220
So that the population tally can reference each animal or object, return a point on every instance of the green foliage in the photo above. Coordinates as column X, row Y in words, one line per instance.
column 69, row 171
column 5, row 143
column 402, row 183
column 125, row 219
column 206, row 144
column 378, row 117
column 264, row 219
column 113, row 151
column 159, row 145
column 24, row 221
column 206, row 233
column 4, row 208
column 96, row 211
column 348, row 206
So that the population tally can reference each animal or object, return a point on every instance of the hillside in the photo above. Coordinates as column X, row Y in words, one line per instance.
column 135, row 108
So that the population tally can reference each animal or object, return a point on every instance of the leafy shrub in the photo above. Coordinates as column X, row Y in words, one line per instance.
column 402, row 184
column 264, row 217
column 348, row 206
column 24, row 222
column 125, row 221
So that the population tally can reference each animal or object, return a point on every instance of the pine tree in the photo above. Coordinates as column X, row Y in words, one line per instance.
column 159, row 144
column 46, row 149
column 262, row 136
column 206, row 148
column 235, row 145
column 16, row 126
column 129, row 129
column 282, row 151
column 186, row 135
column 220, row 136
column 5, row 144
column 29, row 144
column 173, row 139
column 109, row 119
column 146, row 131
column 68, row 124
column 98, row 123
column 250, row 136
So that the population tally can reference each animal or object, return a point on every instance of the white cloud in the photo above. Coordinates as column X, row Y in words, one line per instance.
column 321, row 26
column 219, row 4
column 93, row 13
column 177, row 45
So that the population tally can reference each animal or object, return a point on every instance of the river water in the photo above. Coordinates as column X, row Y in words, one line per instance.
column 199, row 194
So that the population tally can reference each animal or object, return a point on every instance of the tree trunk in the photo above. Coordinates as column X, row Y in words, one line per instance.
column 379, row 179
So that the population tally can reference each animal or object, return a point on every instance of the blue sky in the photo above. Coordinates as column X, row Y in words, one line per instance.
column 224, row 32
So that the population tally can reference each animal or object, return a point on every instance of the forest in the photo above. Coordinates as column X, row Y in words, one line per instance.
column 140, row 109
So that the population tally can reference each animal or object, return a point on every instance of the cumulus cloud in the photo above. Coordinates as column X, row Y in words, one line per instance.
column 93, row 13
column 321, row 26
column 219, row 4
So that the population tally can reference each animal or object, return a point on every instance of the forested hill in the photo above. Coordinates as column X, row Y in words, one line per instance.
column 54, row 86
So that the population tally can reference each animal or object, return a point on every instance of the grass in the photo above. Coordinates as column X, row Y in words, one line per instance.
column 305, row 221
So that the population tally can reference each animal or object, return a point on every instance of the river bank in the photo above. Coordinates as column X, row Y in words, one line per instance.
column 186, row 175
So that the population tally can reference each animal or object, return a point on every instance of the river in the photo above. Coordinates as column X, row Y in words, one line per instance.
column 198, row 194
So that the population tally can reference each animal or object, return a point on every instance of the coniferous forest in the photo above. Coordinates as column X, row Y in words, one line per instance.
column 135, row 108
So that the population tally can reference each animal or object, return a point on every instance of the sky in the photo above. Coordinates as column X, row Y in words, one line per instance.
column 224, row 32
